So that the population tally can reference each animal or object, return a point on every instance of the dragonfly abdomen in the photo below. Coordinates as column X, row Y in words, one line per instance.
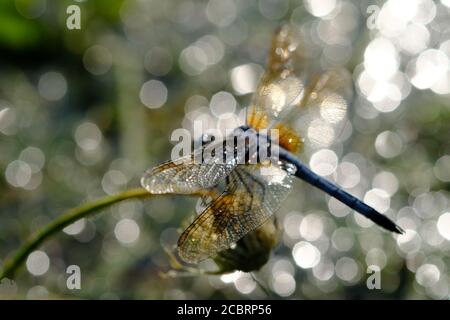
column 335, row 191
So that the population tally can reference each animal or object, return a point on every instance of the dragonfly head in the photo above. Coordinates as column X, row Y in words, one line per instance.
column 243, row 128
column 253, row 146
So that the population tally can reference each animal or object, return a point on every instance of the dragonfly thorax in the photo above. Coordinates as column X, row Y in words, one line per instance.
column 243, row 146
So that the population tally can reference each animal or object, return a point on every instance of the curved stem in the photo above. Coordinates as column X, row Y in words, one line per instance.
column 67, row 218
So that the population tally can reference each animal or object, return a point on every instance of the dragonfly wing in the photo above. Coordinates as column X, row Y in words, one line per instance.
column 187, row 175
column 253, row 194
column 307, row 105
column 319, row 119
column 280, row 86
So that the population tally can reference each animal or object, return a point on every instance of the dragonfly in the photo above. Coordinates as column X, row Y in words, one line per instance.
column 306, row 109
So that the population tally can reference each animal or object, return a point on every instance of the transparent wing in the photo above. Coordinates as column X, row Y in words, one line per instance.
column 189, row 174
column 320, row 117
column 281, row 85
column 253, row 194
column 307, row 105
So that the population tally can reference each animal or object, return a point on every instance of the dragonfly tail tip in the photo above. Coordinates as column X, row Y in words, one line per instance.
column 399, row 230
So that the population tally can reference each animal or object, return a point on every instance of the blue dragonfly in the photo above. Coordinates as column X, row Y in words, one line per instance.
column 306, row 109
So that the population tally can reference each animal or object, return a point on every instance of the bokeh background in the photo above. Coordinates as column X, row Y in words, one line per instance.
column 84, row 112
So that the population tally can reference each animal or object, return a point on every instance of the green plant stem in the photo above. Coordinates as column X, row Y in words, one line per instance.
column 10, row 267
